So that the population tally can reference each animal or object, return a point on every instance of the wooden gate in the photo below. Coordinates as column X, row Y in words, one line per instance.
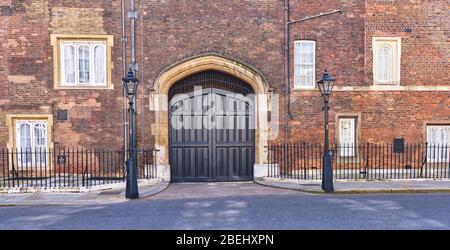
column 211, row 126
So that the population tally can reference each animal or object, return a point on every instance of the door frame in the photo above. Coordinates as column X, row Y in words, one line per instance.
column 264, row 103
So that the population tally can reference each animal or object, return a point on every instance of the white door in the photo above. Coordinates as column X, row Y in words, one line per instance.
column 438, row 138
column 347, row 138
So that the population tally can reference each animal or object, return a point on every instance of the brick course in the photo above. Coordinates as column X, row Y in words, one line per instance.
column 251, row 31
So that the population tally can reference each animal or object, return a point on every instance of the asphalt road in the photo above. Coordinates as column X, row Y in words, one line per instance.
column 241, row 206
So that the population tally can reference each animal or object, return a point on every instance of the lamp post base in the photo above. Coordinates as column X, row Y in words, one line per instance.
column 327, row 174
column 132, row 191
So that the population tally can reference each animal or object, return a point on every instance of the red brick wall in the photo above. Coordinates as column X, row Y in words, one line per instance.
column 94, row 115
column 339, row 48
column 425, row 49
column 4, row 93
column 384, row 114
column 251, row 31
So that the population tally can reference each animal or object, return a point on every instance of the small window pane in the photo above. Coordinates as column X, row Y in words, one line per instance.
column 83, row 64
column 69, row 64
column 25, row 136
column 24, row 147
column 40, row 143
column 307, row 53
column 347, row 138
column 99, row 66
column 438, row 138
column 39, row 135
column 383, row 64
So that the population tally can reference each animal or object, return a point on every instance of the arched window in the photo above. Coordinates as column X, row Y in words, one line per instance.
column 83, row 63
column 31, row 142
column 69, row 62
column 384, row 54
column 40, row 142
column 99, row 64
column 387, row 60
column 40, row 135
column 24, row 143
column 25, row 135
column 84, row 73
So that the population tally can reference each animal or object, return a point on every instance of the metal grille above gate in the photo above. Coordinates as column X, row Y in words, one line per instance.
column 211, row 128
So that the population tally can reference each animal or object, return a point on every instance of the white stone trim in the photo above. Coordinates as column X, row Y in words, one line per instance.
column 391, row 88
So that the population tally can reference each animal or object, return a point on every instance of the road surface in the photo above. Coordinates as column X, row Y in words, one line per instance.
column 241, row 206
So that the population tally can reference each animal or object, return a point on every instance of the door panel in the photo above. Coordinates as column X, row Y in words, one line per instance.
column 218, row 144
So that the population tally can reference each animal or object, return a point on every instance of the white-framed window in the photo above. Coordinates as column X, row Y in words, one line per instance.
column 384, row 71
column 347, row 137
column 83, row 63
column 304, row 64
column 438, row 139
column 386, row 60
column 31, row 141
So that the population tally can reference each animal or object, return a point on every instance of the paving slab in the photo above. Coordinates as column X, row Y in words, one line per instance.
column 109, row 196
column 349, row 187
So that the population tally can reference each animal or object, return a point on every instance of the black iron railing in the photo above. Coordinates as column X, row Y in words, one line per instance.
column 70, row 167
column 366, row 161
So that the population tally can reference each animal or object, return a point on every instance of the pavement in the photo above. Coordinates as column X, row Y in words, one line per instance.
column 240, row 206
column 363, row 186
column 114, row 194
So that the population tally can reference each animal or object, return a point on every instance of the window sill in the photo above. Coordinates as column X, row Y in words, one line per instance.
column 304, row 89
column 394, row 83
column 77, row 87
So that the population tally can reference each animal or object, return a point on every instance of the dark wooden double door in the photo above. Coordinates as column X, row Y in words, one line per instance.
column 211, row 136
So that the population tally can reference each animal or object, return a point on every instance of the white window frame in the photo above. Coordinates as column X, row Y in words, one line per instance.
column 21, row 151
column 92, row 45
column 388, row 65
column 393, row 44
column 298, row 65
column 440, row 155
column 345, row 149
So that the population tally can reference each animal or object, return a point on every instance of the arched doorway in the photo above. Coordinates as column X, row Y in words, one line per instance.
column 159, row 104
column 211, row 128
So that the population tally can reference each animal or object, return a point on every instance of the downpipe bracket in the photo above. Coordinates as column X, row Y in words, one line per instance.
column 132, row 14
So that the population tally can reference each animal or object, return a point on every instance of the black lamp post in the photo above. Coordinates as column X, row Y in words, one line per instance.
column 326, row 88
column 130, row 84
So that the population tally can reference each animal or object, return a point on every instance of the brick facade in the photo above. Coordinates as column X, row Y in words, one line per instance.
column 251, row 31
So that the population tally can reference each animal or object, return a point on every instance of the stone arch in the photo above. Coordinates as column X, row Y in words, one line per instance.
column 192, row 65
column 174, row 73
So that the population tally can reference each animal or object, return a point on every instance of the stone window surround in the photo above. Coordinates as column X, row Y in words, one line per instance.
column 11, row 125
column 357, row 117
column 432, row 123
column 426, row 125
column 55, row 42
column 395, row 46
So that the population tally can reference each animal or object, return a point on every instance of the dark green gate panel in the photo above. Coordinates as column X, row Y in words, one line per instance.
column 219, row 143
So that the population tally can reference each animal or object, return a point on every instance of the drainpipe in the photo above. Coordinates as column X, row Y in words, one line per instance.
column 287, row 88
column 124, row 72
column 132, row 15
column 142, row 69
